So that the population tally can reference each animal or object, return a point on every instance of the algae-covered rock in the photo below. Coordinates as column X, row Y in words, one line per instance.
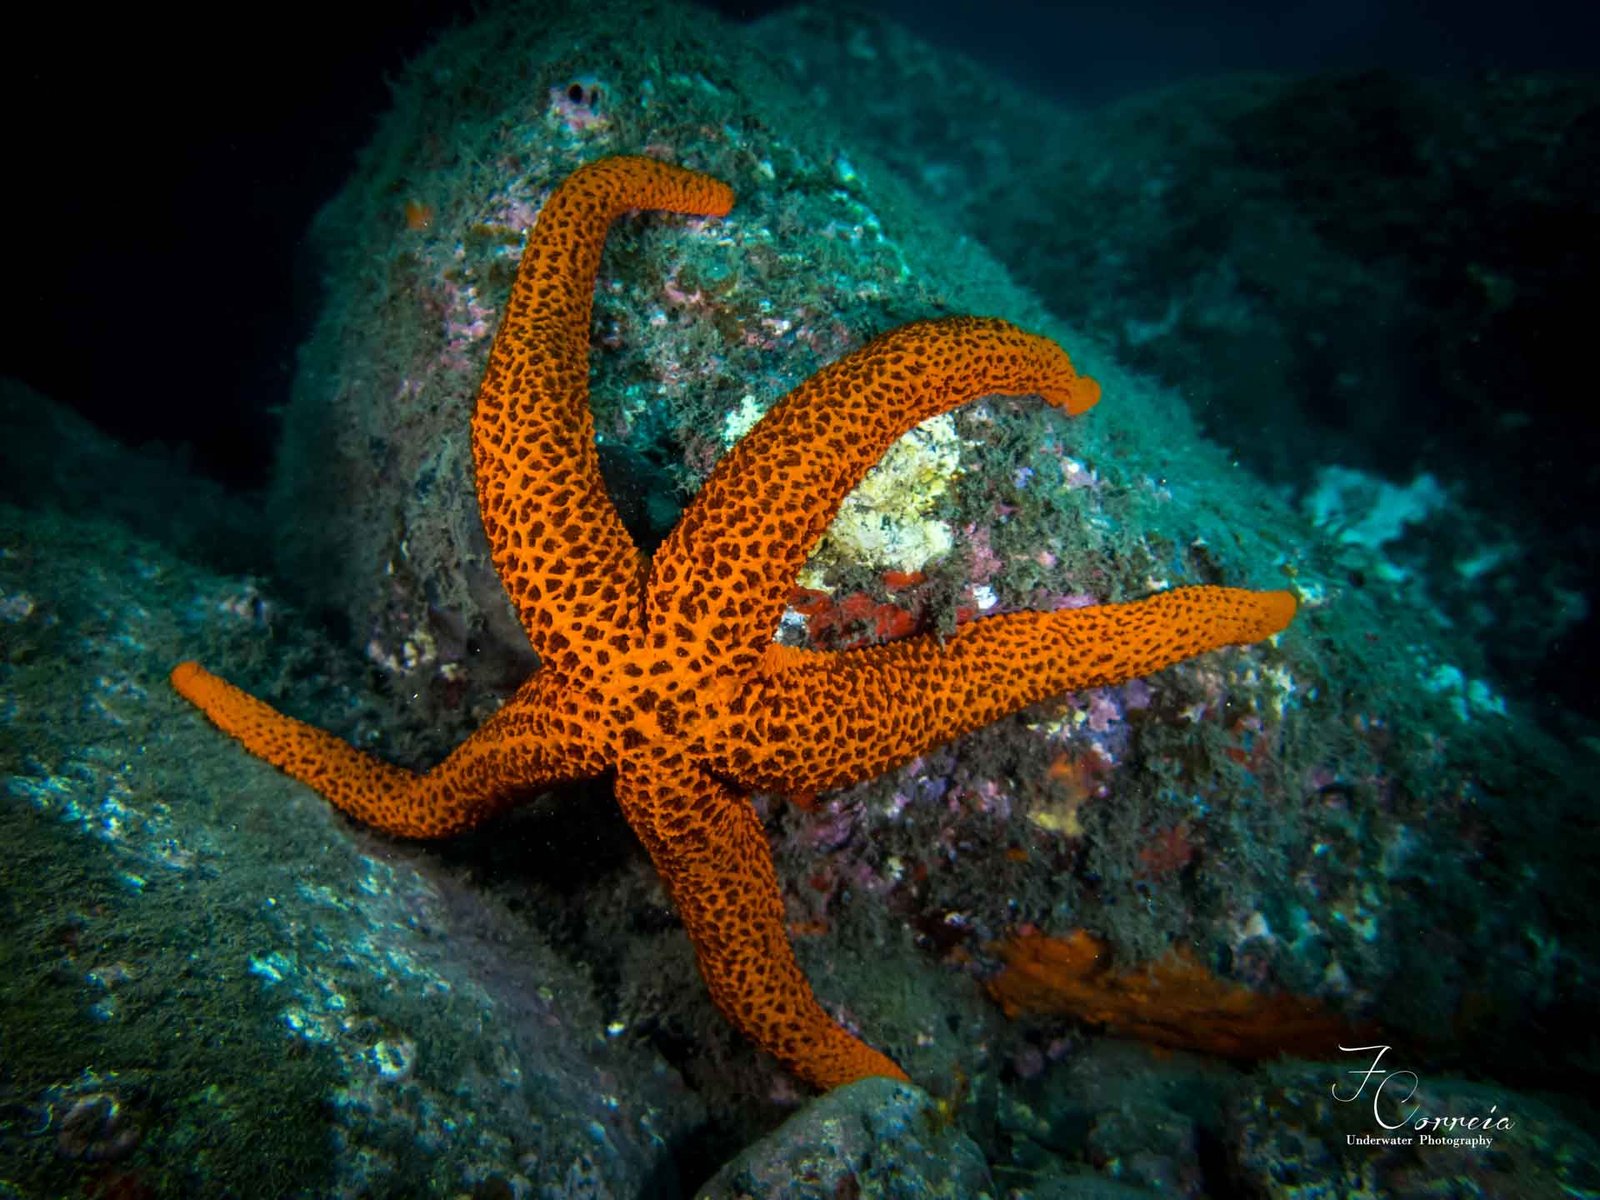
column 1306, row 814
column 1359, row 270
column 213, row 985
column 701, row 326
column 1413, row 1137
column 876, row 1139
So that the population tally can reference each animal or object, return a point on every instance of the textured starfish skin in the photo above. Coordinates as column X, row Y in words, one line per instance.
column 666, row 672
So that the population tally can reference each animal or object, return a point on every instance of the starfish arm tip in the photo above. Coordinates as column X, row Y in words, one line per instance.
column 1075, row 396
column 1278, row 608
column 194, row 683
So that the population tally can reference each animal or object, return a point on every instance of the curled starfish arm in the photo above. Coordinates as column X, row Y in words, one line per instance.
column 822, row 720
column 711, row 852
column 726, row 571
column 573, row 573
column 518, row 750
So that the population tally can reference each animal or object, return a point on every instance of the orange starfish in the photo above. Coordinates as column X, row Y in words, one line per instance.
column 666, row 671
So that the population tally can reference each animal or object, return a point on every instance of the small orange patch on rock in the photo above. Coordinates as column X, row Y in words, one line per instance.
column 897, row 580
column 831, row 617
column 1073, row 780
column 1174, row 1002
column 1167, row 852
column 419, row 216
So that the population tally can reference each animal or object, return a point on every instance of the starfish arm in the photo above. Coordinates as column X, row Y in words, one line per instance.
column 819, row 720
column 572, row 572
column 712, row 854
column 725, row 573
column 520, row 749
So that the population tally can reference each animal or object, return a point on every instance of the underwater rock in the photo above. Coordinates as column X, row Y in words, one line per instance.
column 701, row 326
column 874, row 1138
column 1448, row 1136
column 1359, row 269
column 52, row 458
column 1308, row 817
column 212, row 981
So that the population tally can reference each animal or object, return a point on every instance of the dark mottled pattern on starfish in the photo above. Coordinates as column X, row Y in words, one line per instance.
column 667, row 673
